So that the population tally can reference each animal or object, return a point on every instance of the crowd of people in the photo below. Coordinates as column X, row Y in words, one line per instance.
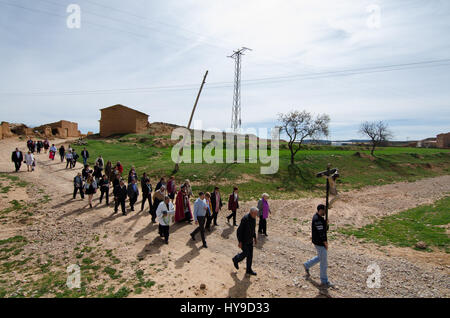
column 168, row 203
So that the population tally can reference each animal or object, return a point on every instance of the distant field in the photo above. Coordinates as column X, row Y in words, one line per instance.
column 391, row 164
column 426, row 223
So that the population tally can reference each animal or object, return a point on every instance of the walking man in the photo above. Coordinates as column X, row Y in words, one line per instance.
column 146, row 192
column 17, row 158
column 133, row 193
column 246, row 236
column 62, row 152
column 165, row 212
column 104, row 189
column 233, row 205
column 85, row 156
column 319, row 239
column 78, row 186
column 120, row 195
column 200, row 208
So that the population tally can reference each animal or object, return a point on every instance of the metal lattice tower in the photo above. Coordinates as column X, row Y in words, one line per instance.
column 236, row 111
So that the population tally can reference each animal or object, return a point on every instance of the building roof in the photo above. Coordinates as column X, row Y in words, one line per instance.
column 122, row 106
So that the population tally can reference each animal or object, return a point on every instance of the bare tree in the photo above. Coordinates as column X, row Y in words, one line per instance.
column 299, row 125
column 377, row 131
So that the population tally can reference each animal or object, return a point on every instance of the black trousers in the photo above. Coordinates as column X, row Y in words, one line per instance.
column 75, row 190
column 262, row 227
column 17, row 165
column 153, row 209
column 201, row 228
column 132, row 202
column 209, row 218
column 62, row 158
column 232, row 215
column 104, row 192
column 164, row 232
column 120, row 202
column 146, row 197
column 247, row 252
column 214, row 217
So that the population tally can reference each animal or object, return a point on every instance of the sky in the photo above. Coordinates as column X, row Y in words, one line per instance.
column 152, row 55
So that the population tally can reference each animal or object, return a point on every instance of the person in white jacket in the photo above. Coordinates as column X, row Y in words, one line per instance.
column 29, row 158
column 165, row 214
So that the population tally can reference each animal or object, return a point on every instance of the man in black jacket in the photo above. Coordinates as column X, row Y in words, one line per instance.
column 146, row 191
column 78, row 186
column 246, row 236
column 120, row 195
column 85, row 156
column 133, row 193
column 319, row 239
column 17, row 158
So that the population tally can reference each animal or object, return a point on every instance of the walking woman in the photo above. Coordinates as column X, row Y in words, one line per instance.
column 209, row 215
column 90, row 188
column 69, row 158
column 119, row 168
column 264, row 211
column 109, row 171
column 52, row 152
column 29, row 159
column 46, row 145
column 233, row 205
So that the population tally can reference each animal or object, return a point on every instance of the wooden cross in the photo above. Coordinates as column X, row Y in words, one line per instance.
column 330, row 174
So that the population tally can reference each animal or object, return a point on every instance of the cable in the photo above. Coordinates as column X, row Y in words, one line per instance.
column 256, row 81
column 63, row 16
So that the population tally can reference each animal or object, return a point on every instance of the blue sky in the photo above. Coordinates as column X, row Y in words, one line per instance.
column 51, row 72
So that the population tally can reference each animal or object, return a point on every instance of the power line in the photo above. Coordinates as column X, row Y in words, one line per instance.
column 154, row 21
column 255, row 81
column 64, row 17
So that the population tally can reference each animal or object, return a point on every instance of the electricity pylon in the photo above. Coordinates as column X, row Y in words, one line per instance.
column 236, row 111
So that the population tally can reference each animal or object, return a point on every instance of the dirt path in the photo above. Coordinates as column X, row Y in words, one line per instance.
column 183, row 266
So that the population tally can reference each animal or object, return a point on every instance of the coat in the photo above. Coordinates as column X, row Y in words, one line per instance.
column 213, row 201
column 246, row 230
column 120, row 192
column 233, row 205
column 179, row 203
column 131, row 192
column 14, row 157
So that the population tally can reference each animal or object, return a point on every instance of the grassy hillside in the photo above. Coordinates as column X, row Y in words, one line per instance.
column 391, row 164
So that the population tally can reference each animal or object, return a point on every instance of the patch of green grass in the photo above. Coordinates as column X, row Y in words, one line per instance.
column 425, row 223
column 14, row 239
column 391, row 164
column 87, row 261
column 5, row 189
column 111, row 272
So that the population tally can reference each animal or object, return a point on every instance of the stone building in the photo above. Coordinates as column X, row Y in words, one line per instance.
column 62, row 128
column 5, row 132
column 119, row 119
column 443, row 140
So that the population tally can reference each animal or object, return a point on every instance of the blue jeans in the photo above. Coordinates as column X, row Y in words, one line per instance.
column 322, row 258
column 85, row 161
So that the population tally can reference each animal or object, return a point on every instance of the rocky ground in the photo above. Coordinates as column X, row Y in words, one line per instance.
column 62, row 231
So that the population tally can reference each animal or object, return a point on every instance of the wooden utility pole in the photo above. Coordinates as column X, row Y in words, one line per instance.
column 177, row 164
